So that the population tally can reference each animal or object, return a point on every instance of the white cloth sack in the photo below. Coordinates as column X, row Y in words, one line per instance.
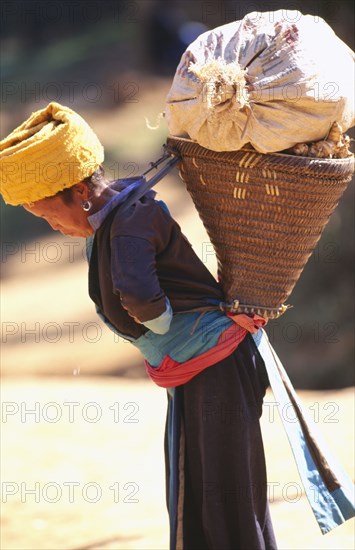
column 273, row 79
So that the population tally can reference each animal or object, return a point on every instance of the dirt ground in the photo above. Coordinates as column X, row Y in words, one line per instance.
column 82, row 465
column 82, row 429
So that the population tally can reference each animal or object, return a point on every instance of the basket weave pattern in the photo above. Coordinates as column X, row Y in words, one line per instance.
column 264, row 214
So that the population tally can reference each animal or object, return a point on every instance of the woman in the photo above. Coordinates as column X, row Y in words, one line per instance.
column 152, row 289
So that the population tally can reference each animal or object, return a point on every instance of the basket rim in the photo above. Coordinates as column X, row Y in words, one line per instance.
column 297, row 158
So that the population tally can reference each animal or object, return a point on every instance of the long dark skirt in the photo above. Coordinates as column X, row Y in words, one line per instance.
column 215, row 464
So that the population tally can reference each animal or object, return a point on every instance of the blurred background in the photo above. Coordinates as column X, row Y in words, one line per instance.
column 113, row 62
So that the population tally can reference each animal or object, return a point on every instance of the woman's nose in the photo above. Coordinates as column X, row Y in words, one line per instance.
column 54, row 226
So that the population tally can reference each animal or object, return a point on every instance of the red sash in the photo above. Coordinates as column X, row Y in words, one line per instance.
column 170, row 373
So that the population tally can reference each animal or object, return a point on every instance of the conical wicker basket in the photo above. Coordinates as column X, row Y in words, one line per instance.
column 264, row 214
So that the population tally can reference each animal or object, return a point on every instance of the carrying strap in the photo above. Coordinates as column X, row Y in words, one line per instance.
column 329, row 489
column 136, row 190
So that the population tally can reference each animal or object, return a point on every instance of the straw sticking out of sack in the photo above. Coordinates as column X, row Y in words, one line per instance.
column 221, row 82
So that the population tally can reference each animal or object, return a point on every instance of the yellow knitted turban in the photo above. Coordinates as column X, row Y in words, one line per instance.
column 54, row 149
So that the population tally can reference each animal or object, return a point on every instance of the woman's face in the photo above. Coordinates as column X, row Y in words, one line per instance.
column 70, row 219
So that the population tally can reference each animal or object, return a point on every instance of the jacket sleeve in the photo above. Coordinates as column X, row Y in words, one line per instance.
column 135, row 279
column 161, row 324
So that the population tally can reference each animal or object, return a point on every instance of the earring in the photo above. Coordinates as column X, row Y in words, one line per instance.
column 86, row 205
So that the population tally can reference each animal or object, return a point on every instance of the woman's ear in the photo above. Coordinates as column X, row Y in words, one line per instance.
column 81, row 191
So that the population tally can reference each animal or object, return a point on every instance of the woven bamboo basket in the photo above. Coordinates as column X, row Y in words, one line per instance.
column 264, row 214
